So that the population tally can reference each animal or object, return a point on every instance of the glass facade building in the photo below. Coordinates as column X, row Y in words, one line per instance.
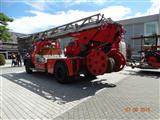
column 147, row 25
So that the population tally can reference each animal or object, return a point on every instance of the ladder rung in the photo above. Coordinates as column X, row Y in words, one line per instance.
column 84, row 23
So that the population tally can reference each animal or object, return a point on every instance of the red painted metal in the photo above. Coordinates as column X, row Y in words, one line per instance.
column 73, row 49
column 96, row 37
column 152, row 60
column 119, row 59
column 88, row 51
column 97, row 62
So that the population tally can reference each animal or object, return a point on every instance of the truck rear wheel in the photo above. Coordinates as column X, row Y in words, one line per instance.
column 61, row 72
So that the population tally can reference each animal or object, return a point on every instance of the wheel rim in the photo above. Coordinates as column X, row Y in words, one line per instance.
column 96, row 62
column 119, row 59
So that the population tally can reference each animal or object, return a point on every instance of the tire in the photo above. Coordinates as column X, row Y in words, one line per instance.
column 61, row 72
column 28, row 70
column 111, row 65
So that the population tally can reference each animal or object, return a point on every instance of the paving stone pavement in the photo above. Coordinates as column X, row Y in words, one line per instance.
column 134, row 98
column 39, row 96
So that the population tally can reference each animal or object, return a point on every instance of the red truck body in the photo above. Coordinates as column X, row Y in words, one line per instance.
column 91, row 49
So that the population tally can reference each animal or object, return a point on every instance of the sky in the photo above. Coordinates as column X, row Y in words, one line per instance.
column 38, row 15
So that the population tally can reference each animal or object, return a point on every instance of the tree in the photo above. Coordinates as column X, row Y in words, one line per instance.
column 4, row 31
column 2, row 59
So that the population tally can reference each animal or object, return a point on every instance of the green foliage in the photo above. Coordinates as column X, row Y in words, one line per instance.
column 4, row 19
column 4, row 34
column 2, row 59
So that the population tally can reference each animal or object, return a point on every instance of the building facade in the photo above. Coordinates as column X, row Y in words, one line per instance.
column 147, row 25
column 11, row 46
column 24, row 44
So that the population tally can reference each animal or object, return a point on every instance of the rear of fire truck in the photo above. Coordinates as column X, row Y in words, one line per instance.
column 89, row 46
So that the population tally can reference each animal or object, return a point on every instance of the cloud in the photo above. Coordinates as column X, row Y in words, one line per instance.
column 42, row 21
column 40, row 5
column 153, row 9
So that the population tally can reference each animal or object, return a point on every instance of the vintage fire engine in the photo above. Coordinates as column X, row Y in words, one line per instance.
column 89, row 46
column 150, row 54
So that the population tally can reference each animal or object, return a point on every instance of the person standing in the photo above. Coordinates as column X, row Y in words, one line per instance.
column 13, row 60
column 18, row 59
column 142, row 57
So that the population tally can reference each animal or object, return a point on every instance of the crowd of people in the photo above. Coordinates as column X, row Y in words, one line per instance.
column 16, row 60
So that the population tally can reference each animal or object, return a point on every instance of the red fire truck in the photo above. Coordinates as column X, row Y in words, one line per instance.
column 150, row 54
column 89, row 46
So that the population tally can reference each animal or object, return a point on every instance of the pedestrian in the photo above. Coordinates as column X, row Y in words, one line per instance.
column 13, row 57
column 142, row 57
column 26, row 56
column 18, row 59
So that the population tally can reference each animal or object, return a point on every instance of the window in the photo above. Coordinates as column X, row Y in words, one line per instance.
column 150, row 29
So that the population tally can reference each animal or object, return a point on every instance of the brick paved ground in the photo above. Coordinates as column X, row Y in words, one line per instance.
column 134, row 98
column 25, row 96
column 39, row 96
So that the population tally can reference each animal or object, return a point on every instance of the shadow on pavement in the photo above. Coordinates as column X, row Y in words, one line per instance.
column 46, row 86
column 144, row 73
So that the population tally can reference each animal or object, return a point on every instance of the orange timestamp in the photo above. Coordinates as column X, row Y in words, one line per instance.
column 137, row 109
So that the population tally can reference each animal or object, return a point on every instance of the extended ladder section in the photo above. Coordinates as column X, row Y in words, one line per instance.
column 76, row 26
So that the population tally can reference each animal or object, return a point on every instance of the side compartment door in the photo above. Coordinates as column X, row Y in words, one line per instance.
column 40, row 62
